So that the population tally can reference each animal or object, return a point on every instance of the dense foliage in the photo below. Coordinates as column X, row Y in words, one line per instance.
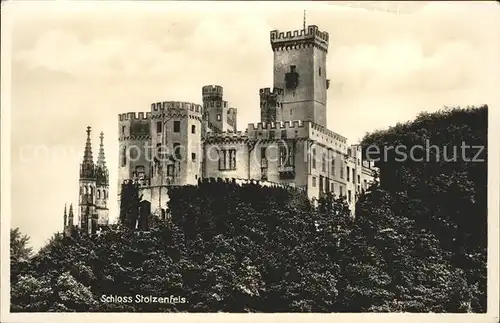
column 417, row 244
column 443, row 189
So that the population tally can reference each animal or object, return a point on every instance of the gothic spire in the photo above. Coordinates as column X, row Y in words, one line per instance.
column 87, row 169
column 65, row 216
column 87, row 156
column 101, row 159
column 70, row 216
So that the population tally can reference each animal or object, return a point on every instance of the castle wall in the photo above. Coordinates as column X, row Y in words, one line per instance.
column 157, row 196
column 214, row 146
column 187, row 137
column 298, row 103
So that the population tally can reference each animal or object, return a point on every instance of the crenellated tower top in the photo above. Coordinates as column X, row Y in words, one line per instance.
column 212, row 92
column 310, row 36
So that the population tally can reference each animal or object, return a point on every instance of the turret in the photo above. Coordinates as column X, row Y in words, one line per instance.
column 217, row 110
column 271, row 104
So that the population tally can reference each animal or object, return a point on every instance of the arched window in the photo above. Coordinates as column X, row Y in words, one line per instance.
column 98, row 194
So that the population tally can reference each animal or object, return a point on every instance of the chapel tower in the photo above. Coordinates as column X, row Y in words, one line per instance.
column 94, row 189
column 86, row 203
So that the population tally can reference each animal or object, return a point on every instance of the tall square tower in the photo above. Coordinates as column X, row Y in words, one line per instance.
column 300, row 70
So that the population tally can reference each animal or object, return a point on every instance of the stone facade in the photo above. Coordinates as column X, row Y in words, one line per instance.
column 179, row 143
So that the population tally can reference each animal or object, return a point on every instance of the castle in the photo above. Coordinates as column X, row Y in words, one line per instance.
column 181, row 143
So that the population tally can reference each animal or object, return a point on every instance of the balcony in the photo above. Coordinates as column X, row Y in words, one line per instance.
column 286, row 171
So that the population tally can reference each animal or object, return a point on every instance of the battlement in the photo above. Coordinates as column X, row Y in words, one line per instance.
column 275, row 91
column 226, row 136
column 212, row 92
column 310, row 35
column 276, row 125
column 134, row 116
column 175, row 106
column 324, row 131
column 215, row 103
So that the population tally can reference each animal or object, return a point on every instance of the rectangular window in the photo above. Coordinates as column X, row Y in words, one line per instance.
column 158, row 126
column 263, row 153
column 193, row 157
column 314, row 181
column 193, row 129
column 283, row 156
column 354, row 176
column 271, row 134
column 349, row 196
column 333, row 167
column 221, row 159
column 359, row 188
column 323, row 163
column 139, row 170
column 333, row 188
column 283, row 134
column 159, row 150
column 219, row 117
column 341, row 190
column 320, row 71
column 123, row 130
column 233, row 159
column 177, row 126
column 177, row 151
column 314, row 158
column 170, row 170
column 227, row 159
column 348, row 173
column 321, row 188
column 124, row 156
column 359, row 179
column 341, row 170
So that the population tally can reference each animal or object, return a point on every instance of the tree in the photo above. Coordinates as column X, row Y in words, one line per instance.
column 129, row 205
column 20, row 253
column 444, row 194
column 19, row 248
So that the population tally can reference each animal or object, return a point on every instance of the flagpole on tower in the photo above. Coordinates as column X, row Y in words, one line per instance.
column 304, row 25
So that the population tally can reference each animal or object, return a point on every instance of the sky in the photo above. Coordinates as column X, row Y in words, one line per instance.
column 74, row 65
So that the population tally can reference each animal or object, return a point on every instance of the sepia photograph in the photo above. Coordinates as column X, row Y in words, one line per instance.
column 250, row 158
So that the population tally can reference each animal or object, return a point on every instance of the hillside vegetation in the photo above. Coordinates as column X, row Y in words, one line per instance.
column 417, row 243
